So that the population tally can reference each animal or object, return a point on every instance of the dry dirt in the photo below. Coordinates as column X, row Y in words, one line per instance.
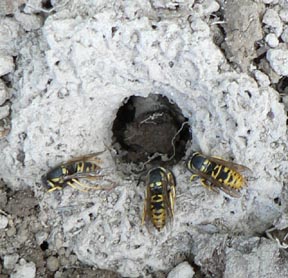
column 199, row 75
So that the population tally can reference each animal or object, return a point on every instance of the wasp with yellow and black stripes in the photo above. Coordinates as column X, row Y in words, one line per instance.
column 160, row 198
column 219, row 173
column 69, row 173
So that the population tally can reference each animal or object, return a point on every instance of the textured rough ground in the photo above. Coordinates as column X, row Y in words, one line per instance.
column 66, row 72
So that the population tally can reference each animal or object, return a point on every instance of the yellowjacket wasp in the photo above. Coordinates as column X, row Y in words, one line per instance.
column 219, row 173
column 160, row 198
column 69, row 173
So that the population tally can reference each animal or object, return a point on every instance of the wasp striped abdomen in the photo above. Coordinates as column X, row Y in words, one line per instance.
column 157, row 206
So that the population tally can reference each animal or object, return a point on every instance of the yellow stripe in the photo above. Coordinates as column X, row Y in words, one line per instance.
column 64, row 171
column 80, row 167
column 215, row 175
column 205, row 166
column 157, row 198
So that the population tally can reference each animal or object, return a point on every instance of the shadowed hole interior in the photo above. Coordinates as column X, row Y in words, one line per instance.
column 150, row 129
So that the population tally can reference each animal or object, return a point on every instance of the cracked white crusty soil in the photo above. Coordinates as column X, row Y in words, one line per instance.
column 73, row 72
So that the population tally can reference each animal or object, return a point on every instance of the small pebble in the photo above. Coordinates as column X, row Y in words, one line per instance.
column 64, row 261
column 278, row 59
column 40, row 237
column 284, row 35
column 6, row 64
column 3, row 221
column 29, row 22
column 8, row 7
column 61, row 251
column 73, row 259
column 4, row 111
column 58, row 274
column 183, row 270
column 52, row 264
column 24, row 270
column 3, row 92
column 284, row 15
column 262, row 79
column 272, row 19
column 11, row 231
column 210, row 6
column 10, row 261
column 272, row 40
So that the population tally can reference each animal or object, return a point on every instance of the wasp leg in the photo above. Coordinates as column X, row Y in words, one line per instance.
column 96, row 187
column 204, row 183
column 53, row 187
column 193, row 177
column 210, row 187
column 72, row 184
column 172, row 196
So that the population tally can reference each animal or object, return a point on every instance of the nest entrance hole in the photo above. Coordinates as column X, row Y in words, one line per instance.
column 150, row 130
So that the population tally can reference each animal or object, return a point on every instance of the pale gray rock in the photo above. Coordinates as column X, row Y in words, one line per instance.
column 270, row 1
column 24, row 270
column 10, row 261
column 10, row 31
column 243, row 29
column 6, row 64
column 284, row 35
column 41, row 236
column 10, row 6
column 52, row 263
column 278, row 59
column 3, row 222
column 262, row 78
column 183, row 270
column 272, row 40
column 284, row 15
column 209, row 7
column 29, row 22
column 4, row 95
column 259, row 261
column 4, row 111
column 272, row 19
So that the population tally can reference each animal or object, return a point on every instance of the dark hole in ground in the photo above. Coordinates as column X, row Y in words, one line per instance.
column 44, row 245
column 150, row 129
column 282, row 86
column 46, row 4
column 277, row 201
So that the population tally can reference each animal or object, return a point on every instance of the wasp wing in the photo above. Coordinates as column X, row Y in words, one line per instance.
column 168, row 203
column 234, row 166
column 93, row 158
column 146, row 215
column 228, row 190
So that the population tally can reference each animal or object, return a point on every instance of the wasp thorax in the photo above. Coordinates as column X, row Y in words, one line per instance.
column 150, row 129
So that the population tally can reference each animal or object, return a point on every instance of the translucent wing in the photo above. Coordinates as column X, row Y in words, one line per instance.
column 167, row 202
column 234, row 166
column 228, row 190
column 93, row 158
column 146, row 216
column 94, row 175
